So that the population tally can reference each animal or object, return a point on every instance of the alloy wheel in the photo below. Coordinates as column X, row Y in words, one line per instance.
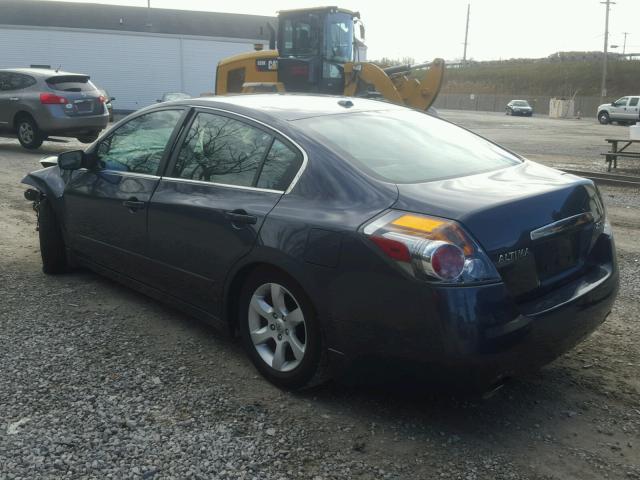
column 25, row 130
column 277, row 327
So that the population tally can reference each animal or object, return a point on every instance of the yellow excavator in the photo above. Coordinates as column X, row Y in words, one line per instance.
column 322, row 50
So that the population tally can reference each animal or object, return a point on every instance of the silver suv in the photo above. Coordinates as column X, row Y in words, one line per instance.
column 36, row 103
column 624, row 110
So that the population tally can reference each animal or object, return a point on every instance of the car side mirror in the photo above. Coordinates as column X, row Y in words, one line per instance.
column 73, row 160
column 112, row 99
column 613, row 104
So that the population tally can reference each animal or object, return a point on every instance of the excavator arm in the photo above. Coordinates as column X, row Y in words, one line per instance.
column 415, row 86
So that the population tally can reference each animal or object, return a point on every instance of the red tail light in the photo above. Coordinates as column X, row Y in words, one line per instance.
column 102, row 99
column 430, row 248
column 52, row 99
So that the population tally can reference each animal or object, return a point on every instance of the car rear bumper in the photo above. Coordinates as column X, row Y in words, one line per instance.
column 53, row 120
column 476, row 336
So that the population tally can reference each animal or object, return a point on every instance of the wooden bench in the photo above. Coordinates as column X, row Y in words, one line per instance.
column 611, row 157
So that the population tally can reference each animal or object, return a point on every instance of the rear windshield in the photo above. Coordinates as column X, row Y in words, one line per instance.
column 403, row 146
column 71, row 83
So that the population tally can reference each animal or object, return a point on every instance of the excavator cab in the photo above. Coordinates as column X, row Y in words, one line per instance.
column 322, row 50
column 313, row 46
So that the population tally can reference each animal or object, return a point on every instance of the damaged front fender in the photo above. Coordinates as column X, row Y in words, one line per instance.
column 49, row 182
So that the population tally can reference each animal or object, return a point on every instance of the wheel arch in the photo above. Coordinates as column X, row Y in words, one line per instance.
column 49, row 183
column 237, row 278
column 22, row 113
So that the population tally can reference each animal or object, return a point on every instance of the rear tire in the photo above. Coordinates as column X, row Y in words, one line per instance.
column 603, row 118
column 29, row 134
column 52, row 249
column 89, row 138
column 280, row 330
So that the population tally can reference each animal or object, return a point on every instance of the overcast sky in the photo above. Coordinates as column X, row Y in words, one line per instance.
column 425, row 29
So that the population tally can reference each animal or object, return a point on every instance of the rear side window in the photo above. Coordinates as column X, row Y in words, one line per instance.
column 71, row 83
column 15, row 81
column 633, row 102
column 280, row 166
column 222, row 150
column 403, row 146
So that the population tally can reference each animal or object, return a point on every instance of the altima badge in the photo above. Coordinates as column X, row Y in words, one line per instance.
column 513, row 255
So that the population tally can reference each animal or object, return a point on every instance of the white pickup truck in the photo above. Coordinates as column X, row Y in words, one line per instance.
column 623, row 110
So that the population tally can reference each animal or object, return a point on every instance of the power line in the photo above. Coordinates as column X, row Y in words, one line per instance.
column 603, row 88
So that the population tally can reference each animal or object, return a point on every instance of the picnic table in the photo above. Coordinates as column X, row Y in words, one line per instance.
column 611, row 157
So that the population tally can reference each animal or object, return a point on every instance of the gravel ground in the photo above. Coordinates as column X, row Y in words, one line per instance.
column 97, row 381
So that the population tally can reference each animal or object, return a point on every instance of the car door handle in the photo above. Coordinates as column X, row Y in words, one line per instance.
column 241, row 217
column 133, row 204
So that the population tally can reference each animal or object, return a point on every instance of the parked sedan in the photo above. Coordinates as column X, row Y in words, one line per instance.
column 36, row 103
column 519, row 107
column 332, row 233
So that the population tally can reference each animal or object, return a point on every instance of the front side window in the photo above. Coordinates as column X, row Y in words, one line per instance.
column 403, row 146
column 139, row 145
column 222, row 150
column 621, row 102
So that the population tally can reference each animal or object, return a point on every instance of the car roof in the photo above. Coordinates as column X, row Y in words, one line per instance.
column 41, row 72
column 289, row 106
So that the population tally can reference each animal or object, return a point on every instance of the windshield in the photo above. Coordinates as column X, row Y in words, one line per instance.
column 520, row 103
column 339, row 37
column 402, row 146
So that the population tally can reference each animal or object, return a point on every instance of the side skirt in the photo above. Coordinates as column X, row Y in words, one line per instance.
column 152, row 292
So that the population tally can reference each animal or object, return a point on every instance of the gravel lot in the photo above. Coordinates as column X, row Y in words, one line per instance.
column 97, row 381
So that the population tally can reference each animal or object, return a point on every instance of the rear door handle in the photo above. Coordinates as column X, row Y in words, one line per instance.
column 133, row 204
column 241, row 217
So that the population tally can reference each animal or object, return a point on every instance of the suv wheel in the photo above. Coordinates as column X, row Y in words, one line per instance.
column 280, row 331
column 29, row 135
column 603, row 118
column 52, row 249
column 89, row 137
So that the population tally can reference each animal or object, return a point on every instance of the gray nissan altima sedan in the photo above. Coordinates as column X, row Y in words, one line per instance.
column 36, row 103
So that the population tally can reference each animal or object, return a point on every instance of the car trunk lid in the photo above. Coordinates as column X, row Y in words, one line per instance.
column 537, row 224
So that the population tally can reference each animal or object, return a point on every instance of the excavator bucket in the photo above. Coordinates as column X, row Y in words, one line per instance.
column 416, row 86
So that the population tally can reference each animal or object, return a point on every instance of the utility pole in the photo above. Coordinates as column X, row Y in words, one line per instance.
column 603, row 88
column 624, row 45
column 466, row 36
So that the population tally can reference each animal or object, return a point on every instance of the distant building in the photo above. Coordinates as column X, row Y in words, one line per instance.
column 135, row 53
column 581, row 56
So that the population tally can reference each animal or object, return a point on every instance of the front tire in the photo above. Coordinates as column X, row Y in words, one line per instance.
column 280, row 330
column 52, row 249
column 603, row 118
column 29, row 134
